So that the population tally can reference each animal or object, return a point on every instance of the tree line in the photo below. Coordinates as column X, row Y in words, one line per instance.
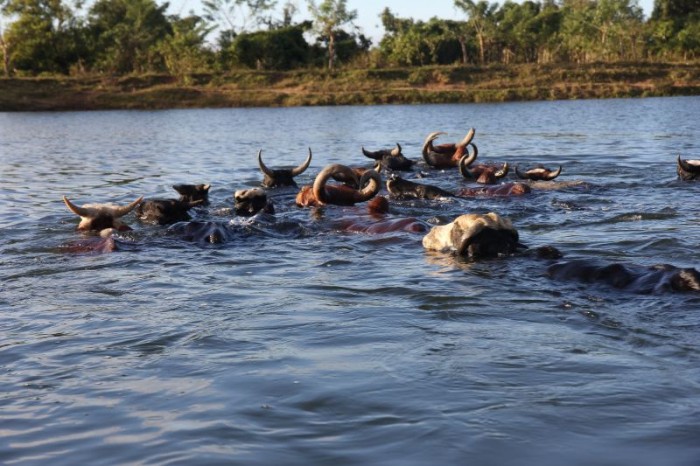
column 121, row 37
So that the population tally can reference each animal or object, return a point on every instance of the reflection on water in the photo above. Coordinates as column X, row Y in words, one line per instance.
column 298, row 342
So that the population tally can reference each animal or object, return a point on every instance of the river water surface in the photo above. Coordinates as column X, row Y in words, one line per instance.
column 298, row 343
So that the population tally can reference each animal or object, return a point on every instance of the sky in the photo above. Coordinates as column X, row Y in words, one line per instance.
column 368, row 11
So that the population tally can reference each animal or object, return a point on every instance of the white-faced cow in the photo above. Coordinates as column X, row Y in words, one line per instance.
column 474, row 236
column 102, row 218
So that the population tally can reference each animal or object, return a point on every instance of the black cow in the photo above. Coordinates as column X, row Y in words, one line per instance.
column 630, row 277
column 281, row 176
column 688, row 170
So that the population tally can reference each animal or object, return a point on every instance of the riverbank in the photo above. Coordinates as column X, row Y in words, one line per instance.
column 437, row 84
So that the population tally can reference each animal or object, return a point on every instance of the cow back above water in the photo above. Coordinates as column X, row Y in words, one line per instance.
column 628, row 277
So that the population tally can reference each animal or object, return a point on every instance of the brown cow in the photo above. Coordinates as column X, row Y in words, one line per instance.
column 482, row 173
column 447, row 155
column 322, row 193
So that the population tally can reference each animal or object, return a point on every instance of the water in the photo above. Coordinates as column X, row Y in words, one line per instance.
column 297, row 343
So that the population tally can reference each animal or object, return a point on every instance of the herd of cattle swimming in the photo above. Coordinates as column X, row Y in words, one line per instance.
column 473, row 236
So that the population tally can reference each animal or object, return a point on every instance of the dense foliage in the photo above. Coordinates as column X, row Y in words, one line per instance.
column 137, row 36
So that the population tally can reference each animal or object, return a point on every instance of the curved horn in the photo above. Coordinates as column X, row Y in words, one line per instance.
column 464, row 168
column 397, row 150
column 428, row 143
column 191, row 204
column 521, row 175
column 79, row 211
column 374, row 181
column 502, row 172
column 123, row 210
column 319, row 186
column 553, row 174
column 302, row 168
column 468, row 138
column 263, row 167
column 372, row 155
column 468, row 159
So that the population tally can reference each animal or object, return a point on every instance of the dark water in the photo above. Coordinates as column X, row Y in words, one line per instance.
column 296, row 343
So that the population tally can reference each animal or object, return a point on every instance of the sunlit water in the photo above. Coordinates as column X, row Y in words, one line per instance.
column 297, row 343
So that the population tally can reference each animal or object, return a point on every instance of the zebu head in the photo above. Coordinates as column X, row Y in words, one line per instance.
column 248, row 202
column 193, row 193
column 447, row 155
column 165, row 211
column 391, row 159
column 474, row 236
column 281, row 176
column 688, row 170
column 483, row 173
column 345, row 195
column 538, row 173
column 102, row 218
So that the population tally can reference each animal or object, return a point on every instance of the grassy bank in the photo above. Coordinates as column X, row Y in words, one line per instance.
column 347, row 87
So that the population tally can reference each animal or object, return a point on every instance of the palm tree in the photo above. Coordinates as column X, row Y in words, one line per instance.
column 480, row 18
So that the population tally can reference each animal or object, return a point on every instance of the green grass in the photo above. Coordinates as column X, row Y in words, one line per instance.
column 430, row 84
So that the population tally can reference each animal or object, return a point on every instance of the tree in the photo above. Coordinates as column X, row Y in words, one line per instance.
column 42, row 38
column 183, row 51
column 329, row 16
column 126, row 34
column 288, row 11
column 6, row 48
column 408, row 42
column 618, row 23
column 578, row 33
column 481, row 19
column 675, row 26
column 675, row 9
column 279, row 49
column 547, row 25
column 232, row 17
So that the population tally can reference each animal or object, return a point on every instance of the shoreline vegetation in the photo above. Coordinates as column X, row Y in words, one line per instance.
column 311, row 87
